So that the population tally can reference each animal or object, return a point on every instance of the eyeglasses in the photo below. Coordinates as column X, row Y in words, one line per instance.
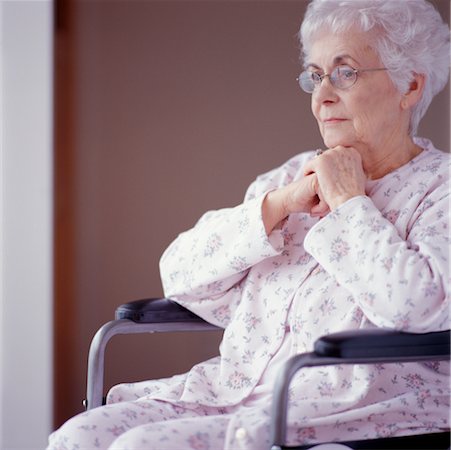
column 342, row 77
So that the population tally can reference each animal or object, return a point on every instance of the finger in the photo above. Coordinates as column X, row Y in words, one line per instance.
column 319, row 152
column 319, row 210
column 309, row 168
column 311, row 164
column 322, row 207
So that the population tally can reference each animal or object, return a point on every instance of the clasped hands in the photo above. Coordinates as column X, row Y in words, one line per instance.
column 330, row 179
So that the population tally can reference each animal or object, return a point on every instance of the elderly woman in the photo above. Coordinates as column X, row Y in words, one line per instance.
column 351, row 236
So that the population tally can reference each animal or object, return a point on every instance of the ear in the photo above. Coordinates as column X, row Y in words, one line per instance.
column 414, row 92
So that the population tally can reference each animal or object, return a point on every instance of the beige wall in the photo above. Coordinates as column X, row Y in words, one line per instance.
column 164, row 110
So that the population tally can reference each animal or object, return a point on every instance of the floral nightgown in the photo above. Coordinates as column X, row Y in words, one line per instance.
column 379, row 260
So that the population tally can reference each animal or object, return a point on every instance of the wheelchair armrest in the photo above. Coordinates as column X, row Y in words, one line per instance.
column 155, row 310
column 141, row 316
column 383, row 343
column 354, row 347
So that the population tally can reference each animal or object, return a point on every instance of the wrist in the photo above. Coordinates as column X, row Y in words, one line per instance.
column 338, row 201
column 273, row 210
column 280, row 203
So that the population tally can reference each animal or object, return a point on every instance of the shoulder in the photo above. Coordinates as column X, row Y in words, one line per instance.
column 431, row 159
column 431, row 168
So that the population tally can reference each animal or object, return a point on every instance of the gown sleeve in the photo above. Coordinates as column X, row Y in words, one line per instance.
column 203, row 269
column 398, row 281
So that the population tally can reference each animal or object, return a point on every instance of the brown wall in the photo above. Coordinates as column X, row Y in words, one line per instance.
column 164, row 109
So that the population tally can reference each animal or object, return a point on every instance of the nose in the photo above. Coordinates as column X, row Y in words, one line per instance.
column 324, row 91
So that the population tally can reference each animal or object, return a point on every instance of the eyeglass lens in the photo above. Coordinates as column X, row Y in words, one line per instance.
column 341, row 77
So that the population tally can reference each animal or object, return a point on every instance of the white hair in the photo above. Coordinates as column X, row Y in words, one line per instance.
column 410, row 37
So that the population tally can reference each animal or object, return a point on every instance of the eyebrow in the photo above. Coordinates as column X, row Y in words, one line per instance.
column 337, row 60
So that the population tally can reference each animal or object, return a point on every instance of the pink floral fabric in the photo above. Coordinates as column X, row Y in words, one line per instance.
column 380, row 260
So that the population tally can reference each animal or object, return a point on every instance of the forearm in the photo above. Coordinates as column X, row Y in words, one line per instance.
column 397, row 283
column 215, row 255
column 273, row 210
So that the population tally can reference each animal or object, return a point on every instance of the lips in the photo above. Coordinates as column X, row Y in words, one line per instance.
column 333, row 120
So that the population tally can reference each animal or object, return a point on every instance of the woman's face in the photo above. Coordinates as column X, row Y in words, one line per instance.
column 369, row 113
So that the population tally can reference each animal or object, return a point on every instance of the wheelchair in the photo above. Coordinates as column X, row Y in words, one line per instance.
column 353, row 347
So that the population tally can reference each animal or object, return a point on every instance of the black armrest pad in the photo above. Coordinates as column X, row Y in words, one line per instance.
column 381, row 342
column 155, row 310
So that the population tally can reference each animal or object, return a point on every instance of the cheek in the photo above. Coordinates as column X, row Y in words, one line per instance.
column 368, row 115
column 377, row 110
column 378, row 116
column 314, row 108
column 315, row 111
column 363, row 123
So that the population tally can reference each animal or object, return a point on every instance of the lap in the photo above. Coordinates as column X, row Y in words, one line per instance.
column 201, row 432
column 154, row 423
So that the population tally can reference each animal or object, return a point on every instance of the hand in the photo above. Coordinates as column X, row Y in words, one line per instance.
column 303, row 195
column 339, row 173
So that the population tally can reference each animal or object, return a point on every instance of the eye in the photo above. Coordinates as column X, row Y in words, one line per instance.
column 312, row 76
column 345, row 72
column 308, row 80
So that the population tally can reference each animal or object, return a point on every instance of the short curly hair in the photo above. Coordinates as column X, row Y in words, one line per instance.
column 410, row 37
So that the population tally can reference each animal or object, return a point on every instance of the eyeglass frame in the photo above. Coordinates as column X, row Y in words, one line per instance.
column 320, row 78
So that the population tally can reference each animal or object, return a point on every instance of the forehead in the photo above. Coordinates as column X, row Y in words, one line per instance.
column 352, row 47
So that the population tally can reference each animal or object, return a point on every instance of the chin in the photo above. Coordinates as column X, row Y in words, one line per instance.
column 331, row 143
column 337, row 139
